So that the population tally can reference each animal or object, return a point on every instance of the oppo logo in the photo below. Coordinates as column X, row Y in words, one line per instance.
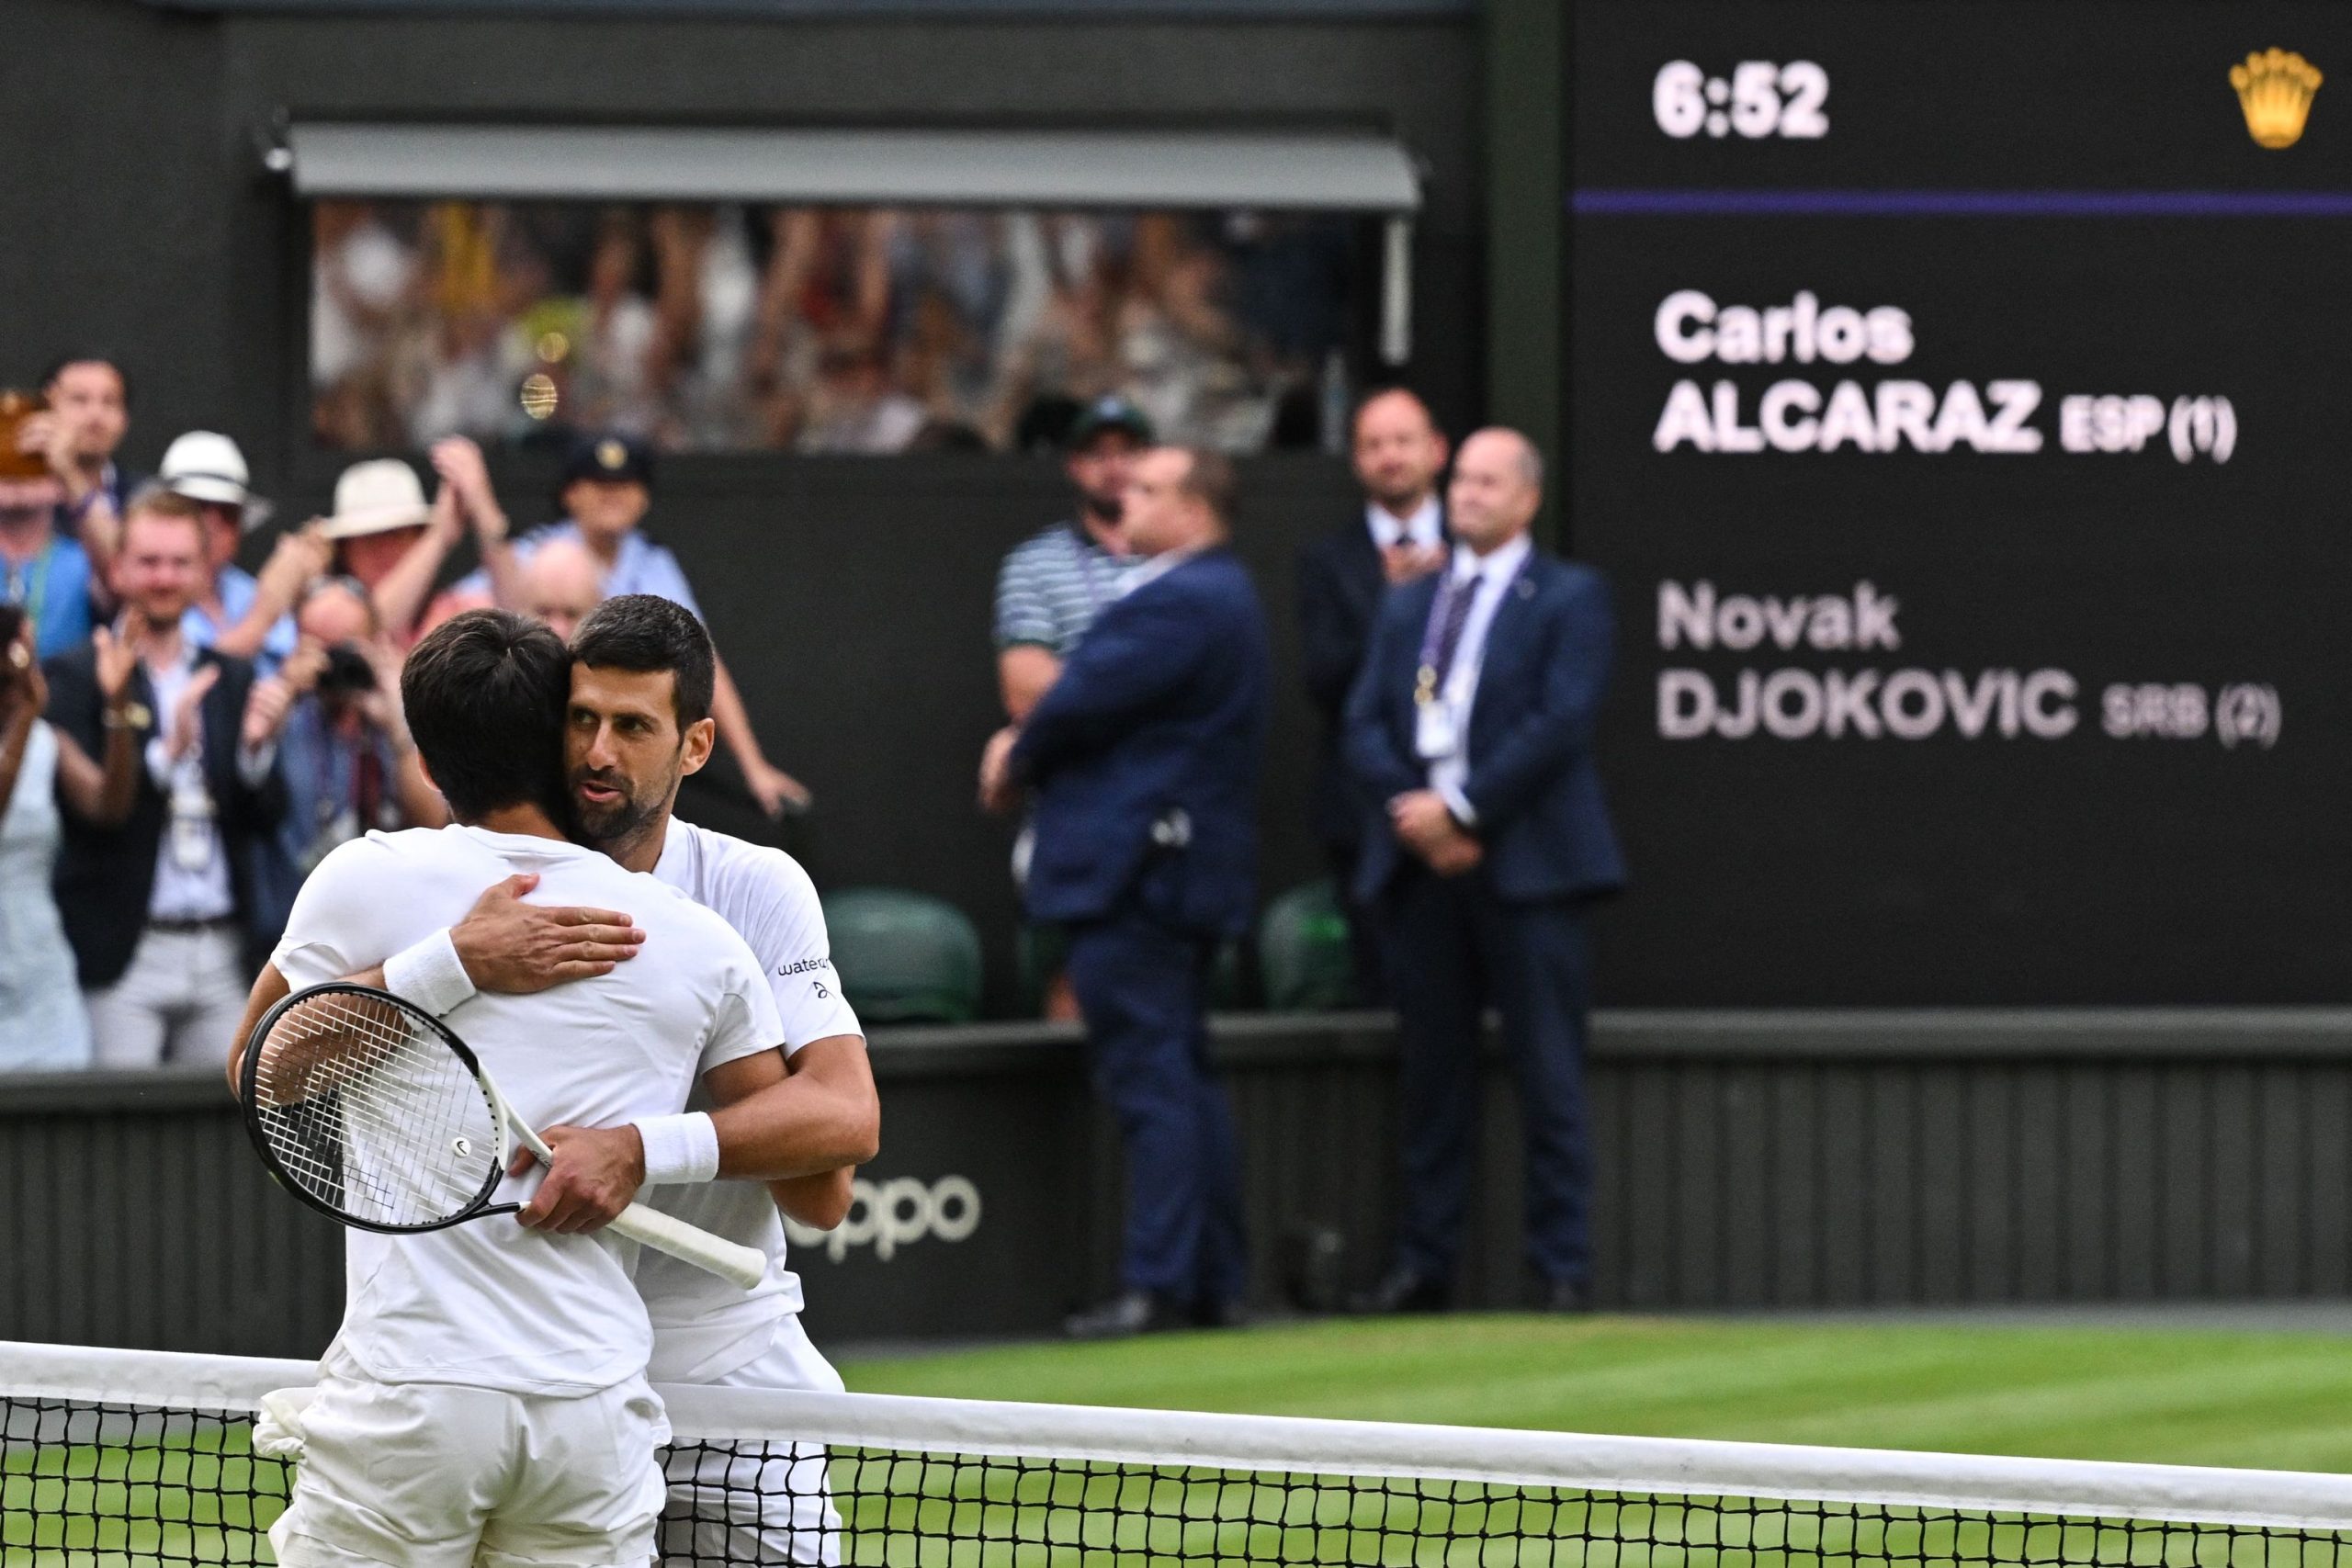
column 890, row 1214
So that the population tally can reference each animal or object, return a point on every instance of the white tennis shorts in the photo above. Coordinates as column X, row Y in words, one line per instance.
column 436, row 1475
column 770, row 1509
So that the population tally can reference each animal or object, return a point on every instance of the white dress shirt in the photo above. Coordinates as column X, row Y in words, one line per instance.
column 191, row 862
column 1494, row 574
column 1425, row 527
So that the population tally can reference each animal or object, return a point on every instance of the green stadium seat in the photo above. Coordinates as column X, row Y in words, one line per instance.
column 904, row 957
column 1303, row 950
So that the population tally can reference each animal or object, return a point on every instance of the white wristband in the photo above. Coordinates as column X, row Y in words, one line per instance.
column 430, row 974
column 679, row 1148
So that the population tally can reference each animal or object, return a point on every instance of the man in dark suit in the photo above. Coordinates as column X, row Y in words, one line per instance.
column 1397, row 536
column 159, row 909
column 1471, row 728
column 1145, row 757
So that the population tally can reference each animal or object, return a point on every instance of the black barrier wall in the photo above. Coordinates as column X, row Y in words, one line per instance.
column 1957, row 405
column 1743, row 1160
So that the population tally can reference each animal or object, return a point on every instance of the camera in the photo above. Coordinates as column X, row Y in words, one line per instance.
column 348, row 674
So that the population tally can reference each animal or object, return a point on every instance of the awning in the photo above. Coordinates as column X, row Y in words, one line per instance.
column 962, row 168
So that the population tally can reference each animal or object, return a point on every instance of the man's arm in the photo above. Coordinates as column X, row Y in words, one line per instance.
column 773, row 787
column 1140, row 650
column 1025, row 672
column 298, row 556
column 269, row 989
column 1381, row 772
column 772, row 1126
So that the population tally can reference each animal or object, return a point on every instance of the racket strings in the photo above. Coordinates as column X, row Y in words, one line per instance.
column 369, row 1111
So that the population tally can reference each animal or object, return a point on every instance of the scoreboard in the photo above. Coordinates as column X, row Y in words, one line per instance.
column 1961, row 403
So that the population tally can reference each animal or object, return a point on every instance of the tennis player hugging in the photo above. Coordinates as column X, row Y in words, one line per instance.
column 489, row 1398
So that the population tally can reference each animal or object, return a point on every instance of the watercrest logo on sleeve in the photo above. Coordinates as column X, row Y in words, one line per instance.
column 887, row 1216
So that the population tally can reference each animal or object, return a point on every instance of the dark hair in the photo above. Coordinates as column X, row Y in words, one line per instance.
column 1387, row 389
column 644, row 633
column 485, row 695
column 58, row 365
column 1209, row 478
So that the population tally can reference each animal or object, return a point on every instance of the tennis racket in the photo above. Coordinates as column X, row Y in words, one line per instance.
column 375, row 1112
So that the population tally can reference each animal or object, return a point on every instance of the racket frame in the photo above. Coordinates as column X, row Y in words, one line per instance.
column 248, row 1073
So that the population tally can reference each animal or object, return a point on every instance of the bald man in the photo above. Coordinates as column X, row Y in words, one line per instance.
column 561, row 583
column 1470, row 735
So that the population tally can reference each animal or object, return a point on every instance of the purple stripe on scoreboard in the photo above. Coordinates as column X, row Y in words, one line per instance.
column 1615, row 202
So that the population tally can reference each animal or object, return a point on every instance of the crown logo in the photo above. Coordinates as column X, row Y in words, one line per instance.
column 2275, row 88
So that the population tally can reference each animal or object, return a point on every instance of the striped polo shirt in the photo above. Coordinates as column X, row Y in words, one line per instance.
column 1053, row 584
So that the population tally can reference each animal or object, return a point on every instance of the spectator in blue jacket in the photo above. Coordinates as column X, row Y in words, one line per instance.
column 1144, row 756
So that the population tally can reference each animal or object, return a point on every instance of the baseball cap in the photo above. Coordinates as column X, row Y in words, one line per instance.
column 610, row 457
column 205, row 466
column 1109, row 412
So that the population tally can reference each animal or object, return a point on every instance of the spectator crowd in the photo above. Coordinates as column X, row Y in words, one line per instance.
column 819, row 329
column 182, row 741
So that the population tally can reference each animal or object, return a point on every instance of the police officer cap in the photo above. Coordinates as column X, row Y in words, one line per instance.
column 610, row 457
column 1111, row 411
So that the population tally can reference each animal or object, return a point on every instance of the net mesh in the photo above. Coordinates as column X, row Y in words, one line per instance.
column 370, row 1111
column 99, row 1481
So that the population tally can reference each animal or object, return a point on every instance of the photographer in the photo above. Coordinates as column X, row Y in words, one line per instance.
column 344, row 750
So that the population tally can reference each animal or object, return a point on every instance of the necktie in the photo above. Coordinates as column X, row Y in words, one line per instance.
column 1453, row 614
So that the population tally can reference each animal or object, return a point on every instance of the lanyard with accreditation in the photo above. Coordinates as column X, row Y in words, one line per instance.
column 1436, row 725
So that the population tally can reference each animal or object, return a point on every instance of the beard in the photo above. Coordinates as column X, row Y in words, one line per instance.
column 608, row 824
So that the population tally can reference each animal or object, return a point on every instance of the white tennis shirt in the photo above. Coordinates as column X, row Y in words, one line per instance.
column 490, row 1304
column 703, row 1327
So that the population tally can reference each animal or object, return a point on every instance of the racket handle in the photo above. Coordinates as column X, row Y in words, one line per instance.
column 743, row 1267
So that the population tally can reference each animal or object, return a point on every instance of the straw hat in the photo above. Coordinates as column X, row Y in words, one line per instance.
column 377, row 497
column 203, row 466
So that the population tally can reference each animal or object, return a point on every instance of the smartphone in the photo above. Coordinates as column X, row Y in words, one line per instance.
column 11, row 620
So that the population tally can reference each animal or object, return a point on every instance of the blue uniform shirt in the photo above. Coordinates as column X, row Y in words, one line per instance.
column 53, row 591
column 642, row 567
column 238, row 589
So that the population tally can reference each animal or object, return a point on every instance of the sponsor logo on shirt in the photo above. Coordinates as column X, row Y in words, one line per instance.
column 807, row 965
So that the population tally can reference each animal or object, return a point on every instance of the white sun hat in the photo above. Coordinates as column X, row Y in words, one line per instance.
column 204, row 466
column 377, row 497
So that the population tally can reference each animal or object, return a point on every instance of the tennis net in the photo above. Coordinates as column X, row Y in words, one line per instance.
column 132, row 1457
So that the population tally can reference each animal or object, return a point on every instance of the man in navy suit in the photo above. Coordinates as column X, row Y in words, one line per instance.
column 1145, row 755
column 1472, row 730
column 1394, row 537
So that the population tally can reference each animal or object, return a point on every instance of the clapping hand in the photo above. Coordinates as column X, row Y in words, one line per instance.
column 24, row 677
column 118, row 660
column 300, row 555
column 272, row 697
column 188, row 716
column 459, row 463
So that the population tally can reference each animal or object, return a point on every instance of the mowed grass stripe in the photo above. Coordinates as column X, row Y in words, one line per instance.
column 2280, row 1401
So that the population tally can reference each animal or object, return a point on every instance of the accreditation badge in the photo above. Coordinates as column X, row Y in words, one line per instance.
column 1434, row 730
